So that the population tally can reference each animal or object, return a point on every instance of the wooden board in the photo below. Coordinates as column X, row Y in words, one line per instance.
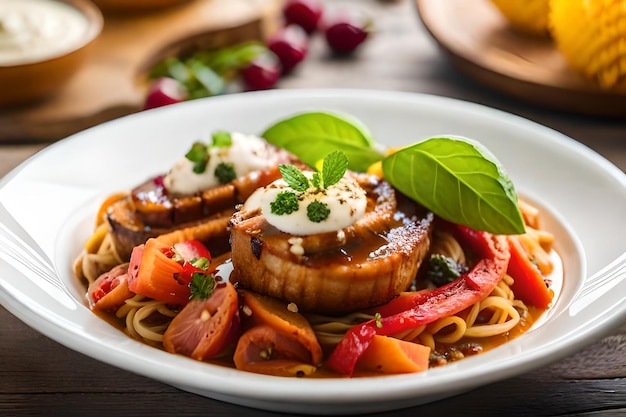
column 112, row 82
column 481, row 44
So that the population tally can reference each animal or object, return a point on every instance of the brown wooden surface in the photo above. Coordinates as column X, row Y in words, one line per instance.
column 110, row 84
column 41, row 377
column 482, row 44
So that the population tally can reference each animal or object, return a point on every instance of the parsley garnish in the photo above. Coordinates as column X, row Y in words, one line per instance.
column 199, row 155
column 199, row 152
column 333, row 169
column 286, row 203
column 317, row 211
column 225, row 172
column 221, row 139
column 201, row 286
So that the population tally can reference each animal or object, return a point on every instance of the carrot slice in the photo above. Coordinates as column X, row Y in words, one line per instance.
column 394, row 356
column 528, row 283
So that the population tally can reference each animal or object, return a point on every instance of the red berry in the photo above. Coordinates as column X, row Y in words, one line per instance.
column 165, row 91
column 262, row 72
column 344, row 33
column 290, row 44
column 304, row 13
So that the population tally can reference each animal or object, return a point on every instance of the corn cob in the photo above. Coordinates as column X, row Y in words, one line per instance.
column 591, row 35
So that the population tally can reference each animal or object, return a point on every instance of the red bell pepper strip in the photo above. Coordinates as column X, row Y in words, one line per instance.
column 444, row 301
column 528, row 283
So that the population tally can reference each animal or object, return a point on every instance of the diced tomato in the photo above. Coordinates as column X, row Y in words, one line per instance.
column 204, row 328
column 110, row 289
column 162, row 272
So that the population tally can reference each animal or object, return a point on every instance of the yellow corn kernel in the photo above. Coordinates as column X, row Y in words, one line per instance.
column 591, row 35
column 528, row 16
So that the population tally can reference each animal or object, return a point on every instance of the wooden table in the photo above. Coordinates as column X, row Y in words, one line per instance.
column 41, row 377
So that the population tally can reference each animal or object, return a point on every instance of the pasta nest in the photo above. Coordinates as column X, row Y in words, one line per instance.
column 591, row 35
column 528, row 16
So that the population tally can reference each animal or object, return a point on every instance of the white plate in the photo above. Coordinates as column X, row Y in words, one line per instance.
column 48, row 205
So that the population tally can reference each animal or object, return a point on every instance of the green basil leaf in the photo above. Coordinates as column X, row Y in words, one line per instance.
column 294, row 177
column 333, row 168
column 459, row 180
column 311, row 136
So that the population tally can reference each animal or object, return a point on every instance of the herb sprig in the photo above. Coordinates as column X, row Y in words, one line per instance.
column 334, row 167
column 455, row 177
column 199, row 154
column 201, row 286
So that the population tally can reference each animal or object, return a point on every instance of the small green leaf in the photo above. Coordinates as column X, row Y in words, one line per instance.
column 286, row 203
column 225, row 172
column 459, row 180
column 201, row 286
column 317, row 211
column 199, row 155
column 221, row 139
column 294, row 177
column 202, row 263
column 334, row 168
column 312, row 136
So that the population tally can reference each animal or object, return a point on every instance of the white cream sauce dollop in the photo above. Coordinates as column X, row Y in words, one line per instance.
column 32, row 30
column 346, row 201
column 247, row 153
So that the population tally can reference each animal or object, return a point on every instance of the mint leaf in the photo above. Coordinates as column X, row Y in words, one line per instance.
column 199, row 155
column 317, row 211
column 334, row 168
column 312, row 136
column 294, row 177
column 221, row 139
column 459, row 180
column 286, row 203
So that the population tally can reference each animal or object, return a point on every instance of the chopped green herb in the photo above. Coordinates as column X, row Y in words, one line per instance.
column 377, row 319
column 334, row 168
column 294, row 177
column 221, row 139
column 199, row 155
column 225, row 172
column 201, row 286
column 443, row 269
column 202, row 263
column 317, row 211
column 286, row 203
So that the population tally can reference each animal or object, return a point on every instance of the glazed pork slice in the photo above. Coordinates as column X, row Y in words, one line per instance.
column 360, row 266
column 150, row 212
